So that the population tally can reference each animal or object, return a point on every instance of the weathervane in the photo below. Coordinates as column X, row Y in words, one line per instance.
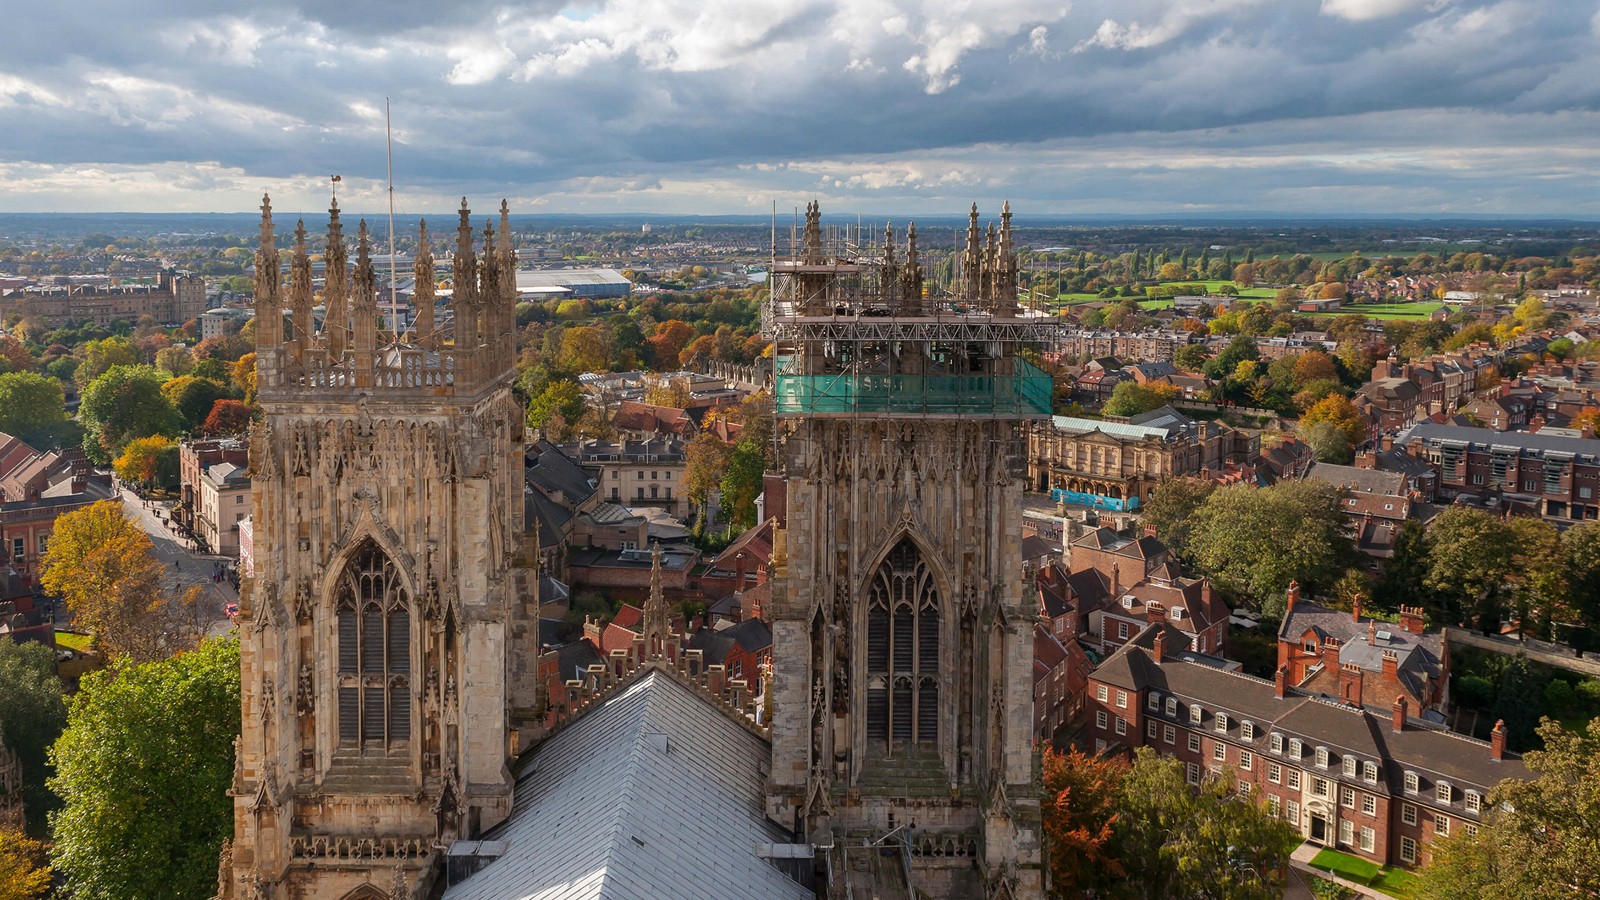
column 335, row 179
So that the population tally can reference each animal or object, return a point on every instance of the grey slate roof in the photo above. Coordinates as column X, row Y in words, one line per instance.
column 1369, row 481
column 656, row 793
column 1488, row 437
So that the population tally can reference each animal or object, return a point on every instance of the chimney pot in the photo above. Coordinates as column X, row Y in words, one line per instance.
column 1160, row 651
column 1355, row 609
column 1497, row 741
column 1294, row 595
column 1400, row 707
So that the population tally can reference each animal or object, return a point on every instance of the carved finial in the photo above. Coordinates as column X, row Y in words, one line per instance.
column 655, row 607
column 266, row 219
column 422, row 296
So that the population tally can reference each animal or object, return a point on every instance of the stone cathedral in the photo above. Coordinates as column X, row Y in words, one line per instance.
column 391, row 668
column 902, row 639
column 386, row 636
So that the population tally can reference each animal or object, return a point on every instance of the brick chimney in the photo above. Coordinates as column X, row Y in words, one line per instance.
column 1400, row 706
column 1294, row 595
column 1149, row 530
column 1388, row 442
column 1411, row 619
column 1159, row 652
column 1355, row 609
column 1154, row 612
column 591, row 630
column 1116, row 581
column 1391, row 666
column 1330, row 654
column 1350, row 679
column 1372, row 632
column 1497, row 741
column 1280, row 682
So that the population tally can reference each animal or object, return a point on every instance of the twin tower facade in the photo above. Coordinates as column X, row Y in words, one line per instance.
column 389, row 638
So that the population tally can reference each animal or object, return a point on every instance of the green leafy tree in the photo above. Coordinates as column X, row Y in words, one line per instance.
column 1329, row 442
column 1404, row 576
column 193, row 398
column 705, row 459
column 741, row 483
column 33, row 408
column 1538, row 840
column 1177, row 841
column 144, row 768
column 103, row 354
column 124, row 403
column 31, row 716
column 1190, row 358
column 1171, row 509
column 1581, row 547
column 1254, row 541
column 149, row 461
column 1470, row 558
column 556, row 410
column 1130, row 398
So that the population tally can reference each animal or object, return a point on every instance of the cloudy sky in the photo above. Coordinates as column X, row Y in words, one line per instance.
column 873, row 106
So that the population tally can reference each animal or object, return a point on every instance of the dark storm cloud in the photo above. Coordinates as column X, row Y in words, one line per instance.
column 1294, row 105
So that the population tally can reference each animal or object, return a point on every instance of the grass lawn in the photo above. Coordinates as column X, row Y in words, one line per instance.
column 1343, row 864
column 77, row 642
column 1396, row 882
column 1420, row 310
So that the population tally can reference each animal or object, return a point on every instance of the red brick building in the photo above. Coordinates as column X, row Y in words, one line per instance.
column 1379, row 786
column 1362, row 660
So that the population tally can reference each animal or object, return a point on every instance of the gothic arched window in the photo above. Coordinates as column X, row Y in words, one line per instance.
column 374, row 652
column 903, row 650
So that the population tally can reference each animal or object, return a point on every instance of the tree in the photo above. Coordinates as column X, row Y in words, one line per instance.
column 742, row 482
column 1329, row 442
column 1171, row 508
column 1254, row 541
column 668, row 341
column 705, row 459
column 1130, row 398
column 1190, row 358
column 31, row 717
column 585, row 348
column 1337, row 410
column 1581, row 547
column 1403, row 577
column 243, row 373
column 227, row 417
column 1244, row 275
column 14, row 355
column 1175, row 841
column 144, row 768
column 556, row 410
column 124, row 403
column 147, row 460
column 1314, row 365
column 33, row 409
column 100, row 356
column 193, row 397
column 1537, row 841
column 106, row 570
column 174, row 361
column 1469, row 554
column 1561, row 348
column 1079, row 807
column 1587, row 418
column 24, row 867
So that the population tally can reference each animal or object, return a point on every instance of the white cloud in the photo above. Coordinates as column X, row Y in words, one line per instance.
column 1363, row 10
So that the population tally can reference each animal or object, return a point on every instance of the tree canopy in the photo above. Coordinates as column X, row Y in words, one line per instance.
column 125, row 403
column 1538, row 840
column 1254, row 541
column 31, row 717
column 33, row 408
column 143, row 768
column 1129, row 398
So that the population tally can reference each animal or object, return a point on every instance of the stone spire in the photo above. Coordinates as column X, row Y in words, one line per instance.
column 489, row 301
column 889, row 276
column 464, row 298
column 505, row 326
column 364, row 308
column 269, row 303
column 1005, row 275
column 972, row 259
column 300, row 293
column 990, row 253
column 655, row 608
column 812, row 255
column 911, row 280
column 335, row 298
column 422, row 297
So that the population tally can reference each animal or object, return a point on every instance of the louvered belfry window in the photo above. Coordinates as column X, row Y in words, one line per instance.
column 374, row 652
column 903, row 651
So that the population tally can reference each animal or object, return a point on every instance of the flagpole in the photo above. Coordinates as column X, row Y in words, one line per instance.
column 388, row 152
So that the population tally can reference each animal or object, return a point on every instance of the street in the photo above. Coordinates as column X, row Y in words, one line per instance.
column 184, row 566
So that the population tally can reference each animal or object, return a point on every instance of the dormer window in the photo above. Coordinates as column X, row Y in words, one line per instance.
column 1474, row 801
column 1172, row 706
column 1153, row 702
column 1222, row 721
column 1350, row 766
column 1411, row 782
column 1247, row 731
column 1196, row 714
column 1277, row 743
column 1442, row 791
column 1322, row 757
column 1369, row 772
column 1295, row 748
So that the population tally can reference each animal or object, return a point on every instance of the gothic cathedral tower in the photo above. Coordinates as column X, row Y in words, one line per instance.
column 902, row 640
column 382, row 620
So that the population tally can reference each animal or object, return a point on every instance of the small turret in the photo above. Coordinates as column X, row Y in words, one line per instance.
column 335, row 296
column 300, row 295
column 422, row 296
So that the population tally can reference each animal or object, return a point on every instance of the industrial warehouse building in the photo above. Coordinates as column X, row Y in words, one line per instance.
column 581, row 283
